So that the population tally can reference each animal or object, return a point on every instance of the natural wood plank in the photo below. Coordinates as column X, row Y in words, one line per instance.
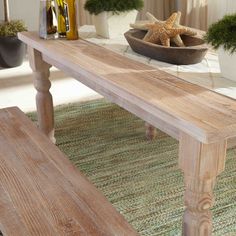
column 127, row 104
column 201, row 163
column 203, row 114
column 42, row 193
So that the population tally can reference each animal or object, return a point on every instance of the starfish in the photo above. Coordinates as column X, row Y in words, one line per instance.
column 163, row 31
column 177, row 39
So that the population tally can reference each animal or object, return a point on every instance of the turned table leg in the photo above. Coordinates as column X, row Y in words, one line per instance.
column 150, row 131
column 44, row 101
column 201, row 163
column 231, row 142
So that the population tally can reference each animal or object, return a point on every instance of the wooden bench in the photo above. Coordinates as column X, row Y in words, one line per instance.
column 42, row 193
column 203, row 121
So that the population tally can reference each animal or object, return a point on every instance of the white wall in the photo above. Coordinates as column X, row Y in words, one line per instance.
column 27, row 10
column 218, row 8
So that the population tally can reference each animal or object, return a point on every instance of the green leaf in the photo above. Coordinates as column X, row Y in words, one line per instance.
column 12, row 28
column 223, row 33
column 98, row 6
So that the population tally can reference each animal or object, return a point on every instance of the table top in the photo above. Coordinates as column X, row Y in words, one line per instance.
column 205, row 74
column 152, row 94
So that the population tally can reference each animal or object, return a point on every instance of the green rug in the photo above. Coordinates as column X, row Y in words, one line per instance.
column 140, row 178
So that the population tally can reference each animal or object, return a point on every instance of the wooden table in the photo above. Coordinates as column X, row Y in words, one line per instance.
column 200, row 119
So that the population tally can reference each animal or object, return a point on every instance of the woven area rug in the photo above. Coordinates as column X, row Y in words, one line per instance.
column 140, row 178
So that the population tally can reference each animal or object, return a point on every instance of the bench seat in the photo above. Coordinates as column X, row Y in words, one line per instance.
column 42, row 193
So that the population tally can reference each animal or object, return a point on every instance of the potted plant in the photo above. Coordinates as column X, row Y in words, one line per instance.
column 12, row 50
column 222, row 36
column 112, row 17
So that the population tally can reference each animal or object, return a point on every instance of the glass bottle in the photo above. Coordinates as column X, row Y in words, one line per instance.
column 61, row 18
column 70, row 8
column 47, row 29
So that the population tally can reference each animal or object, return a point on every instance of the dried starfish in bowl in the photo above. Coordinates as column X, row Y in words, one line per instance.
column 176, row 39
column 163, row 31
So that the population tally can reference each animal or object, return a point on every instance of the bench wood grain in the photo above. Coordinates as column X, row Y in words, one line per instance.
column 199, row 112
column 202, row 120
column 42, row 193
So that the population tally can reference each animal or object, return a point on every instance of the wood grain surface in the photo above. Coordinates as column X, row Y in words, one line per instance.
column 201, row 164
column 203, row 121
column 42, row 193
column 155, row 96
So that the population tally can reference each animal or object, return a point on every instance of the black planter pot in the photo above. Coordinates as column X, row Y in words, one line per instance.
column 12, row 51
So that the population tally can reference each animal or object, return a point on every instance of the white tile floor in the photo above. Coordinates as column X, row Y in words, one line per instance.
column 16, row 88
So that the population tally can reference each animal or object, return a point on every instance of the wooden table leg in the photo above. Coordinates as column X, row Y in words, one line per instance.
column 150, row 131
column 231, row 143
column 201, row 163
column 44, row 101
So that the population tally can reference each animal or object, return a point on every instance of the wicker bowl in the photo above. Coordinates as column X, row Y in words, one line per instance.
column 193, row 53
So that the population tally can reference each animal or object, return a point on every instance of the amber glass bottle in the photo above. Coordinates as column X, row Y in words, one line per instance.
column 70, row 8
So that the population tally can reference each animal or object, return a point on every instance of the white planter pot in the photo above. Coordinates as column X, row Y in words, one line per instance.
column 227, row 63
column 111, row 25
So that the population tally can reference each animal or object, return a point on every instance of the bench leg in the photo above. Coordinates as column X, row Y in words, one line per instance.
column 201, row 163
column 231, row 142
column 44, row 101
column 150, row 131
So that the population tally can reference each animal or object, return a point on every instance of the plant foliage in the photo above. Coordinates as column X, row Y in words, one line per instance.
column 11, row 28
column 98, row 6
column 223, row 33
